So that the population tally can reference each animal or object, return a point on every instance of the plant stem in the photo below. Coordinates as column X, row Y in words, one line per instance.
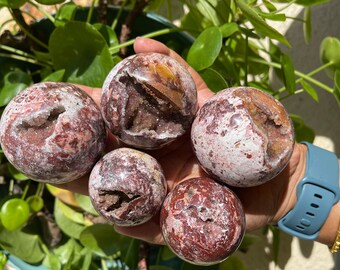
column 27, row 186
column 115, row 21
column 246, row 62
column 150, row 35
column 25, row 59
column 299, row 91
column 89, row 15
column 298, row 73
column 16, row 51
column 43, row 11
column 104, row 265
column 27, row 32
column 40, row 189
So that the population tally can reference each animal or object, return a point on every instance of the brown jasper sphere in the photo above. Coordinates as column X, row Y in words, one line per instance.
column 52, row 132
column 202, row 221
column 148, row 100
column 127, row 186
column 243, row 136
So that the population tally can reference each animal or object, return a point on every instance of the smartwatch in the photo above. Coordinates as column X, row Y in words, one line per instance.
column 317, row 192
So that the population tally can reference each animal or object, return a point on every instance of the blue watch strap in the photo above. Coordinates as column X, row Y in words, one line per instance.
column 316, row 194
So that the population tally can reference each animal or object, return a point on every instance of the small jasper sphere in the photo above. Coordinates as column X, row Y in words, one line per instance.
column 148, row 100
column 52, row 132
column 127, row 186
column 242, row 136
column 202, row 221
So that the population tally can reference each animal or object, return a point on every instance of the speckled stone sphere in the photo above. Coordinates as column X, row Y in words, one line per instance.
column 242, row 136
column 52, row 132
column 202, row 221
column 127, row 187
column 148, row 100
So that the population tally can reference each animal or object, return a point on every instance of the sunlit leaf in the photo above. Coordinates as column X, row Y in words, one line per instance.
column 14, row 213
column 82, row 51
column 56, row 76
column 307, row 26
column 310, row 90
column 205, row 49
column 85, row 203
column 329, row 52
column 228, row 29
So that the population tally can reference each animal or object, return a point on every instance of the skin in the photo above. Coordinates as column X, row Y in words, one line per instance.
column 278, row 196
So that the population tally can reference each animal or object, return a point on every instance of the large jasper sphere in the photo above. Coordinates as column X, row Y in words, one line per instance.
column 52, row 132
column 242, row 136
column 148, row 100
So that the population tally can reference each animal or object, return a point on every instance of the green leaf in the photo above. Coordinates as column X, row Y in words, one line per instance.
column 68, row 226
column 65, row 13
column 273, row 16
column 70, row 213
column 301, row 130
column 228, row 29
column 16, row 174
column 85, row 203
column 65, row 252
column 276, row 243
column 213, row 79
column 269, row 6
column 232, row 263
column 82, row 51
column 260, row 25
column 12, row 3
column 307, row 26
column 247, row 241
column 50, row 2
column 288, row 73
column 56, row 76
column 13, row 83
column 311, row 2
column 14, row 213
column 130, row 258
column 205, row 48
column 23, row 245
column 166, row 253
column 329, row 52
column 160, row 267
column 35, row 203
column 100, row 239
column 310, row 90
column 109, row 35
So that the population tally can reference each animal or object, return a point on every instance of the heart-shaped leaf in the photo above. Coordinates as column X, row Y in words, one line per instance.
column 82, row 51
column 35, row 203
column 205, row 49
column 329, row 52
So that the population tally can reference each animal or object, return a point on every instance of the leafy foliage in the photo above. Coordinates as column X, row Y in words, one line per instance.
column 61, row 230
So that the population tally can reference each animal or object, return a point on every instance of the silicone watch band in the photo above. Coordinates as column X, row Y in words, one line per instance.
column 316, row 194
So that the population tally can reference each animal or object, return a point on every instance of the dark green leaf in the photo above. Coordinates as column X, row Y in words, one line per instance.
column 85, row 203
column 311, row 2
column 310, row 90
column 50, row 2
column 82, row 51
column 100, row 238
column 205, row 49
column 24, row 245
column 288, row 73
column 109, row 35
column 166, row 253
column 213, row 79
column 12, row 3
column 130, row 258
column 276, row 243
column 14, row 213
column 307, row 26
column 302, row 131
column 247, row 241
column 260, row 25
column 56, row 76
column 329, row 52
column 13, row 83
column 160, row 267
column 228, row 29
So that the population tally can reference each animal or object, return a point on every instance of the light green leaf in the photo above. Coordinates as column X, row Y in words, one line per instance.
column 260, row 25
column 205, row 49
column 336, row 90
column 213, row 79
column 70, row 213
column 82, row 51
column 56, row 76
column 16, row 174
column 65, row 13
column 35, row 203
column 85, row 203
column 310, row 90
column 273, row 16
column 228, row 29
column 288, row 73
column 329, row 52
column 14, row 213
column 307, row 26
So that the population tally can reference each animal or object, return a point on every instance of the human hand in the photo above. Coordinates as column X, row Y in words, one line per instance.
column 262, row 204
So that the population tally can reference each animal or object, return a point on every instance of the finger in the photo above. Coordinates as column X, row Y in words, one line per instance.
column 78, row 186
column 144, row 45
